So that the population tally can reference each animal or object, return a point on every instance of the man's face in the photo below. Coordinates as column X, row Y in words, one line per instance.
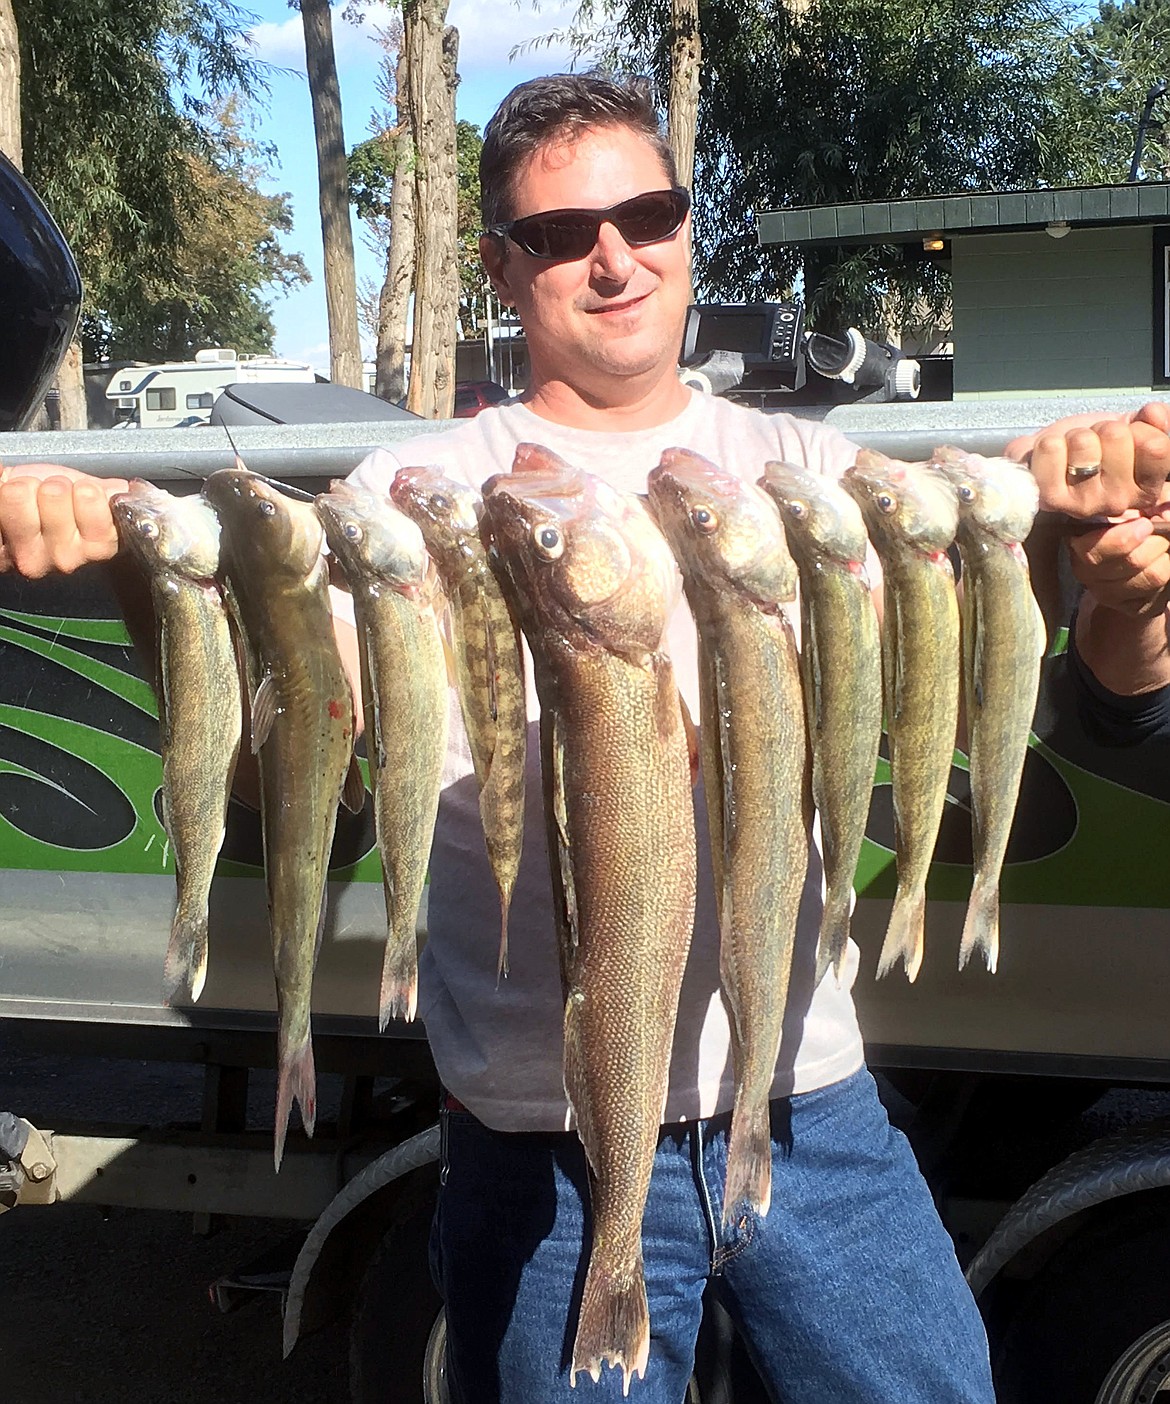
column 613, row 320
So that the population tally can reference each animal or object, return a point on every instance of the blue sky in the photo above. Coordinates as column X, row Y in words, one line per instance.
column 488, row 30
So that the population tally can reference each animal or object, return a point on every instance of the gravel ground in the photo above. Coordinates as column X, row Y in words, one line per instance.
column 100, row 1309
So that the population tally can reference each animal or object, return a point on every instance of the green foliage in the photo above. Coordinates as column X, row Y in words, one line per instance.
column 1112, row 62
column 208, row 292
column 121, row 104
column 870, row 99
column 371, row 185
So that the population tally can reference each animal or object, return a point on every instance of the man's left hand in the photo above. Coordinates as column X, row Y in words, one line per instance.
column 1101, row 466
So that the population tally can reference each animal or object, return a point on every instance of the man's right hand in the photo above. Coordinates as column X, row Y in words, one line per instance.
column 55, row 519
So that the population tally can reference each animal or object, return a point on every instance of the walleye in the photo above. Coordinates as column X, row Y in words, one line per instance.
column 594, row 584
column 912, row 515
column 727, row 538
column 396, row 598
column 841, row 664
column 489, row 665
column 302, row 734
column 176, row 541
column 1003, row 643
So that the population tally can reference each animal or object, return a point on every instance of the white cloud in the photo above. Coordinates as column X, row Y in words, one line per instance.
column 490, row 29
column 280, row 44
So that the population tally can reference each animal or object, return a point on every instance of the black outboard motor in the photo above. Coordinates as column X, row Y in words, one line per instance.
column 40, row 298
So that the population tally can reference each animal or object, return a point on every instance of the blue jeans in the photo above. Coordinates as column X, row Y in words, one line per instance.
column 848, row 1292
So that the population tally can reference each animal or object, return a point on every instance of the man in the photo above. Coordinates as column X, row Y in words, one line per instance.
column 848, row 1290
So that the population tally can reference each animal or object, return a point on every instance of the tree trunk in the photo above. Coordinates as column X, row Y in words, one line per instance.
column 433, row 52
column 71, row 389
column 9, row 85
column 394, row 305
column 686, row 59
column 345, row 352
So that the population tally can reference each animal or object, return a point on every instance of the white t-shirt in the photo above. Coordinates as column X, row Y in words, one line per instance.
column 498, row 1049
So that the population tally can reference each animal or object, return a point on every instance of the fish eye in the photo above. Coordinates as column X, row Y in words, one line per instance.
column 798, row 510
column 352, row 531
column 704, row 519
column 440, row 502
column 266, row 508
column 886, row 502
column 548, row 542
column 148, row 528
column 966, row 492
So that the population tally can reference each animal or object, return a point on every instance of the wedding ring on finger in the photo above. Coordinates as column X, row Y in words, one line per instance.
column 1083, row 472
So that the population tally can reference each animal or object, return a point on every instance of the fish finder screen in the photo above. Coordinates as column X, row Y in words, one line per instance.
column 746, row 330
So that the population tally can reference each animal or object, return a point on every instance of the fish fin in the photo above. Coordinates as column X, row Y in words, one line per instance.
column 353, row 792
column 981, row 927
column 974, row 649
column 749, row 1160
column 895, row 660
column 502, row 970
column 185, row 968
column 905, row 935
column 449, row 660
column 613, row 1325
column 834, row 937
column 265, row 706
column 322, row 912
column 162, row 683
column 576, row 1084
column 374, row 747
column 398, row 996
column 296, row 1077
column 1041, row 627
column 491, row 665
column 815, row 689
column 691, row 731
column 563, row 837
column 727, row 776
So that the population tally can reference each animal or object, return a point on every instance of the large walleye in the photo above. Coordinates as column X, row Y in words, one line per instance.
column 1003, row 643
column 396, row 600
column 176, row 540
column 489, row 665
column 912, row 515
column 841, row 663
column 594, row 584
column 727, row 538
column 302, row 734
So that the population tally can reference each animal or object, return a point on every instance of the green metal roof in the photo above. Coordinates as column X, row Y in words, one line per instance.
column 980, row 212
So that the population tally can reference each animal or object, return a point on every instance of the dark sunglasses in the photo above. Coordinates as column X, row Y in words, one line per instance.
column 561, row 236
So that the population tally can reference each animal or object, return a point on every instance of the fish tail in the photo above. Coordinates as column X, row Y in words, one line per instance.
column 398, row 997
column 185, row 968
column 296, row 1077
column 749, row 1160
column 502, row 963
column 981, row 927
column 614, row 1325
column 905, row 935
column 834, row 937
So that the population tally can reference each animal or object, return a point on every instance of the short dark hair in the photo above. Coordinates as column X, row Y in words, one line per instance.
column 556, row 108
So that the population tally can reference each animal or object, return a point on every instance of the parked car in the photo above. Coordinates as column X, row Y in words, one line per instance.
column 471, row 396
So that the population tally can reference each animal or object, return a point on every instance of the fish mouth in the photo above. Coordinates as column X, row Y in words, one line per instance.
column 694, row 473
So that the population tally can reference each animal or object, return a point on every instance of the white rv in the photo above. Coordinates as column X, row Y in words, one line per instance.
column 180, row 394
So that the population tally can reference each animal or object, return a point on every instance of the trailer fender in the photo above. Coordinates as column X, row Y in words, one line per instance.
column 351, row 1225
column 1116, row 1165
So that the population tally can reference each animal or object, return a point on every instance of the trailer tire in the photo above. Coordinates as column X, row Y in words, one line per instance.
column 1093, row 1326
column 396, row 1338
